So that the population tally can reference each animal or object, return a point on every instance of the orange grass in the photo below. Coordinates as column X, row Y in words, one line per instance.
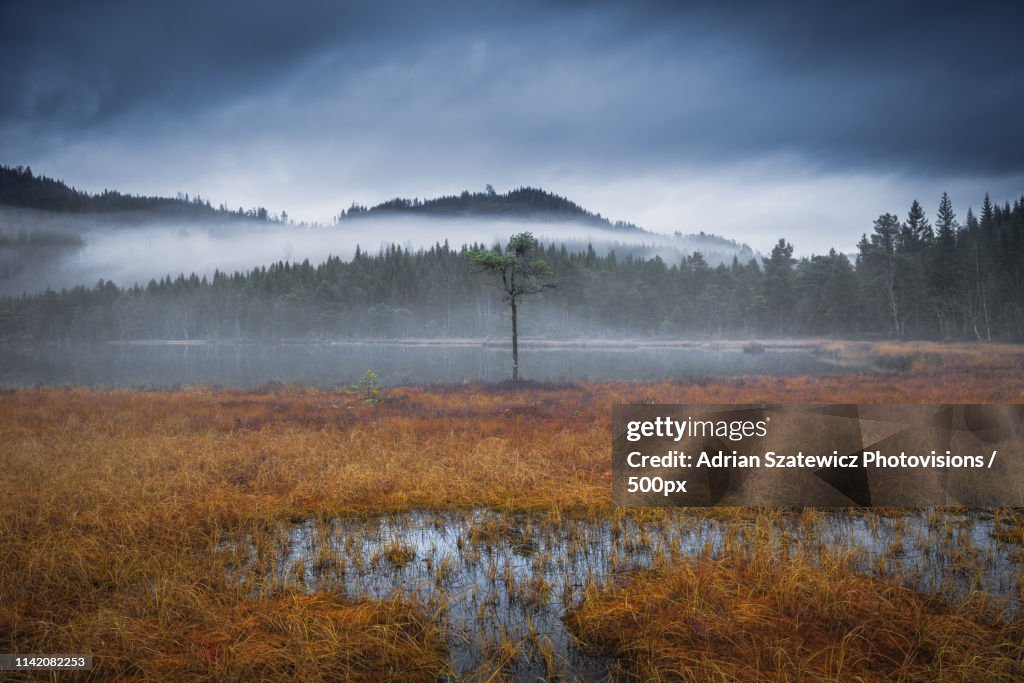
column 115, row 505
column 934, row 356
column 305, row 451
column 749, row 618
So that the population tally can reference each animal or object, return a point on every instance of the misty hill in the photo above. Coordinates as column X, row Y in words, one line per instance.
column 21, row 188
column 529, row 204
column 523, row 203
column 53, row 235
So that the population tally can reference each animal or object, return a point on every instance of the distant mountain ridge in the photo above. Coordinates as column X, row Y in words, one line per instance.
column 22, row 189
column 523, row 202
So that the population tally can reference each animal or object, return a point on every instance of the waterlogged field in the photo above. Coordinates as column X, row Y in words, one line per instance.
column 466, row 532
column 534, row 595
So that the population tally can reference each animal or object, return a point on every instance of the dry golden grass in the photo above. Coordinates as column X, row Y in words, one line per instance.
column 291, row 637
column 749, row 618
column 115, row 505
column 935, row 356
column 238, row 454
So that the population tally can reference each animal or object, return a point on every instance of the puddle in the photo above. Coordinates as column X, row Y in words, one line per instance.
column 499, row 583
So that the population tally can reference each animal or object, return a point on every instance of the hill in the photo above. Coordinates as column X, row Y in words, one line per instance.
column 535, row 204
column 21, row 188
column 527, row 203
column 54, row 235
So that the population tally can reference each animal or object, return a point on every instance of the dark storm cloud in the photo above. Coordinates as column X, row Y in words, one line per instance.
column 932, row 87
column 924, row 88
column 86, row 63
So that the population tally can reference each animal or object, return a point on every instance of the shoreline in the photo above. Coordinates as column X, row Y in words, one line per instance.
column 810, row 344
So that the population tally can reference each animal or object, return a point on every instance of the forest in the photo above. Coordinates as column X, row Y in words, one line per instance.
column 909, row 279
column 21, row 188
column 523, row 202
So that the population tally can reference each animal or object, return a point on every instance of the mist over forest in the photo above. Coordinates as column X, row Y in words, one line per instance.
column 55, row 237
column 81, row 267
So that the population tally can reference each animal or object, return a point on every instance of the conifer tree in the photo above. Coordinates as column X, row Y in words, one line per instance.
column 520, row 276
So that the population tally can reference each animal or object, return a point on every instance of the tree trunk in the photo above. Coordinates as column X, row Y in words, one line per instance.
column 515, row 344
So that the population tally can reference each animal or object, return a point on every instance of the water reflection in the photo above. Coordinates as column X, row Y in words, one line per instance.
column 328, row 365
column 501, row 582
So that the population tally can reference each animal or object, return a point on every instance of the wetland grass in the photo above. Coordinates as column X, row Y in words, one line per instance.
column 155, row 530
column 751, row 617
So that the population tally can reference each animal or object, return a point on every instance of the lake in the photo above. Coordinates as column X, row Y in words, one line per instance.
column 333, row 364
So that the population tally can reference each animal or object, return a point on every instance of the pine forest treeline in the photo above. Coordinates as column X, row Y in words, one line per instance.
column 20, row 187
column 910, row 279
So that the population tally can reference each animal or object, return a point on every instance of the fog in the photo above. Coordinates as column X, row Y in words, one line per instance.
column 396, row 363
column 40, row 250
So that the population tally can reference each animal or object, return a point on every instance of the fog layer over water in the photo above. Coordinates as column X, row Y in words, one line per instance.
column 64, row 251
column 330, row 365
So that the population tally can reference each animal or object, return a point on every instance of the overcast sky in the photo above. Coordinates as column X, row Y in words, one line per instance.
column 751, row 120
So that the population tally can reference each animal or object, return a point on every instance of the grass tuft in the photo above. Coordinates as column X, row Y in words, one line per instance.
column 748, row 618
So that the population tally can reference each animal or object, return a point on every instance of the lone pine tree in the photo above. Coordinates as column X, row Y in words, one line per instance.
column 520, row 276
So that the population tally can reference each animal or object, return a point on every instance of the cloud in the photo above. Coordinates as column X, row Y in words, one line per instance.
column 258, row 103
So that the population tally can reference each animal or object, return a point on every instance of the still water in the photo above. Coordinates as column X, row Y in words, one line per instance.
column 330, row 365
column 493, row 577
